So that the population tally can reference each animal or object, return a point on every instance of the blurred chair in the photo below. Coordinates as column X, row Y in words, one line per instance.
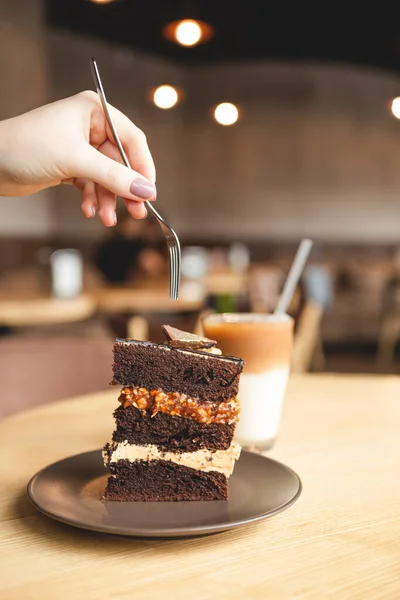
column 318, row 285
column 389, row 328
column 36, row 371
column 307, row 347
column 318, row 289
column 388, row 337
column 138, row 328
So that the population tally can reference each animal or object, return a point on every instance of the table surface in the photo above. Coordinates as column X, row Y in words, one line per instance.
column 45, row 310
column 25, row 301
column 340, row 540
column 21, row 288
column 143, row 299
column 148, row 296
column 22, row 301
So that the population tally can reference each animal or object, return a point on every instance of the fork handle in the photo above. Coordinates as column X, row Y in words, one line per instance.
column 117, row 140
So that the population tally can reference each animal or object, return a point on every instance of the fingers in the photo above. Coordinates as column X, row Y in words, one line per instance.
column 89, row 196
column 134, row 143
column 132, row 138
column 103, row 166
column 136, row 209
column 107, row 205
column 96, row 198
column 113, row 176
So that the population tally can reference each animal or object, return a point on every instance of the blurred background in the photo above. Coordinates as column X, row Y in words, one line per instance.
column 266, row 125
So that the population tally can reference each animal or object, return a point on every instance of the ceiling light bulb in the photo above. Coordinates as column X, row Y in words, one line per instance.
column 165, row 96
column 395, row 107
column 188, row 32
column 226, row 113
column 102, row 1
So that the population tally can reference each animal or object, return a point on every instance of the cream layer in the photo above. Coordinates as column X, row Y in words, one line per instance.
column 205, row 460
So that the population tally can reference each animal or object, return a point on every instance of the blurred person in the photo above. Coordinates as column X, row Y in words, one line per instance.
column 69, row 142
column 133, row 251
column 153, row 259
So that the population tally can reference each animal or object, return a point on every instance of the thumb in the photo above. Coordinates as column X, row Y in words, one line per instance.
column 113, row 176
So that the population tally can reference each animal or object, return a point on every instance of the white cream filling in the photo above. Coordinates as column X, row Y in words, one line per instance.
column 205, row 460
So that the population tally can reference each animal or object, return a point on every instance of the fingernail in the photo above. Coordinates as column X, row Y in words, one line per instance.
column 115, row 220
column 93, row 212
column 142, row 189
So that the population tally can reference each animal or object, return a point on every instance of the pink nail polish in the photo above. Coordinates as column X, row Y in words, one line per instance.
column 142, row 189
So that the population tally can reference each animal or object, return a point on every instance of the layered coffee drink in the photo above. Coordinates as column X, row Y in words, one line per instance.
column 265, row 342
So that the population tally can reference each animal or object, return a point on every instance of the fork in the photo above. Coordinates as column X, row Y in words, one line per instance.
column 174, row 247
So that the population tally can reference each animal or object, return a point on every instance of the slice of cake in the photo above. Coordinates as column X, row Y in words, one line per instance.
column 174, row 427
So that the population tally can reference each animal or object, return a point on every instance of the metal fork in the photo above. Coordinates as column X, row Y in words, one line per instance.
column 174, row 247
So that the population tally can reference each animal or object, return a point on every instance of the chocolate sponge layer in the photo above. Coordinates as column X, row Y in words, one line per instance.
column 160, row 480
column 174, row 434
column 157, row 366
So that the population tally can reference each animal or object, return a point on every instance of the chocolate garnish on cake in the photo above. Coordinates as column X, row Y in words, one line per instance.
column 174, row 427
column 182, row 339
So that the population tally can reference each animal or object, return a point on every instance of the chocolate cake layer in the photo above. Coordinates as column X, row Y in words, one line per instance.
column 169, row 433
column 160, row 480
column 157, row 366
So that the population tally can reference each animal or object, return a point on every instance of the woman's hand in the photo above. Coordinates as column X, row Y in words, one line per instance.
column 69, row 141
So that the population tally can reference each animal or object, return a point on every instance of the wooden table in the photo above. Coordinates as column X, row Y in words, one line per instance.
column 221, row 282
column 25, row 311
column 339, row 541
column 143, row 299
column 152, row 297
column 24, row 302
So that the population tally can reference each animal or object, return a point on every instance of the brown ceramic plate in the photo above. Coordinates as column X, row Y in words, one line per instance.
column 70, row 491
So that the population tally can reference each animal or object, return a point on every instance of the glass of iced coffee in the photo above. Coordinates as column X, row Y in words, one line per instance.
column 265, row 342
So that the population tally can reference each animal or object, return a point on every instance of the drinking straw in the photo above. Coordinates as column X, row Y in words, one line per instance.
column 294, row 275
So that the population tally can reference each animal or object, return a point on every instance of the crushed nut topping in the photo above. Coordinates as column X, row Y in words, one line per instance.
column 180, row 405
